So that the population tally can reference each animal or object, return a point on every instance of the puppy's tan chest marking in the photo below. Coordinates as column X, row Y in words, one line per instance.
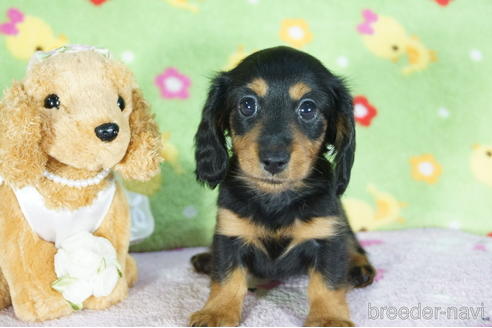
column 231, row 225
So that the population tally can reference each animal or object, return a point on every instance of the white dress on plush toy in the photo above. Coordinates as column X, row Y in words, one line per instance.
column 56, row 225
column 85, row 265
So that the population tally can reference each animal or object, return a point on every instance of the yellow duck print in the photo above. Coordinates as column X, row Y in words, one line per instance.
column 170, row 155
column 481, row 163
column 147, row 188
column 26, row 34
column 364, row 216
column 184, row 4
column 235, row 58
column 387, row 38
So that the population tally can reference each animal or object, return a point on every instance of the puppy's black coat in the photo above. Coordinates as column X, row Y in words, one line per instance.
column 279, row 208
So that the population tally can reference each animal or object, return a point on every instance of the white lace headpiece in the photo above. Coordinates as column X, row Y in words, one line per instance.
column 39, row 56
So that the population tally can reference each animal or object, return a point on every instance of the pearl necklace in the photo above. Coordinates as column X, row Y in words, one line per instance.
column 77, row 183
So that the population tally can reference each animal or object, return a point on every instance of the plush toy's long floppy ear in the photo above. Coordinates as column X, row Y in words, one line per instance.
column 210, row 145
column 143, row 156
column 342, row 135
column 22, row 160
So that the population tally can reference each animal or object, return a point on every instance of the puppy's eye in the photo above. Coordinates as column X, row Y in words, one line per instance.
column 307, row 110
column 52, row 101
column 248, row 106
column 121, row 103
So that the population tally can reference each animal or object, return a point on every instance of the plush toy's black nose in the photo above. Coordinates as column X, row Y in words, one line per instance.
column 275, row 162
column 107, row 132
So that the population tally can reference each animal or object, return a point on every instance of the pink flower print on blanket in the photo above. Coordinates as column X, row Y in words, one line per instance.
column 172, row 84
column 15, row 16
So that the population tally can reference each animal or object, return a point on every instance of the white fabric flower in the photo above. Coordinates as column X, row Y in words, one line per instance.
column 85, row 265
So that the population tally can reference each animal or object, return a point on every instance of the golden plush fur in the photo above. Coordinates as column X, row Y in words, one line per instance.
column 4, row 292
column 63, row 141
column 21, row 160
column 143, row 151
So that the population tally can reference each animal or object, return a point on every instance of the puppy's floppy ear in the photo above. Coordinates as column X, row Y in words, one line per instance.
column 210, row 146
column 143, row 156
column 22, row 159
column 341, row 134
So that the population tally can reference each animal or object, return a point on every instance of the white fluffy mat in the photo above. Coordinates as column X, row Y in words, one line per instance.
column 417, row 269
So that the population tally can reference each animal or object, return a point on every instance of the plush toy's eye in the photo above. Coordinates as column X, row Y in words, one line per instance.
column 307, row 110
column 248, row 106
column 489, row 153
column 121, row 103
column 52, row 101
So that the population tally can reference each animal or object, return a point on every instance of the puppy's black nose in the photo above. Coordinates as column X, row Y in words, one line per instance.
column 275, row 163
column 107, row 132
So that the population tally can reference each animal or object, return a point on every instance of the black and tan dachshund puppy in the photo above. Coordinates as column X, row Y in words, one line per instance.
column 279, row 195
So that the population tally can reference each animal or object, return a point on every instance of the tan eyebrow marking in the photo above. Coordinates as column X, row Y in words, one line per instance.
column 259, row 86
column 297, row 90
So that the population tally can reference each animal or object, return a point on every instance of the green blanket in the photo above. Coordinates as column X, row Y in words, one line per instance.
column 419, row 72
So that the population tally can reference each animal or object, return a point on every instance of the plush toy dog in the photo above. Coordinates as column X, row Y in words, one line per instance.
column 64, row 221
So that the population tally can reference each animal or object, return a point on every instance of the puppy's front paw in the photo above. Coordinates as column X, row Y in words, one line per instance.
column 328, row 322
column 209, row 318
column 362, row 275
